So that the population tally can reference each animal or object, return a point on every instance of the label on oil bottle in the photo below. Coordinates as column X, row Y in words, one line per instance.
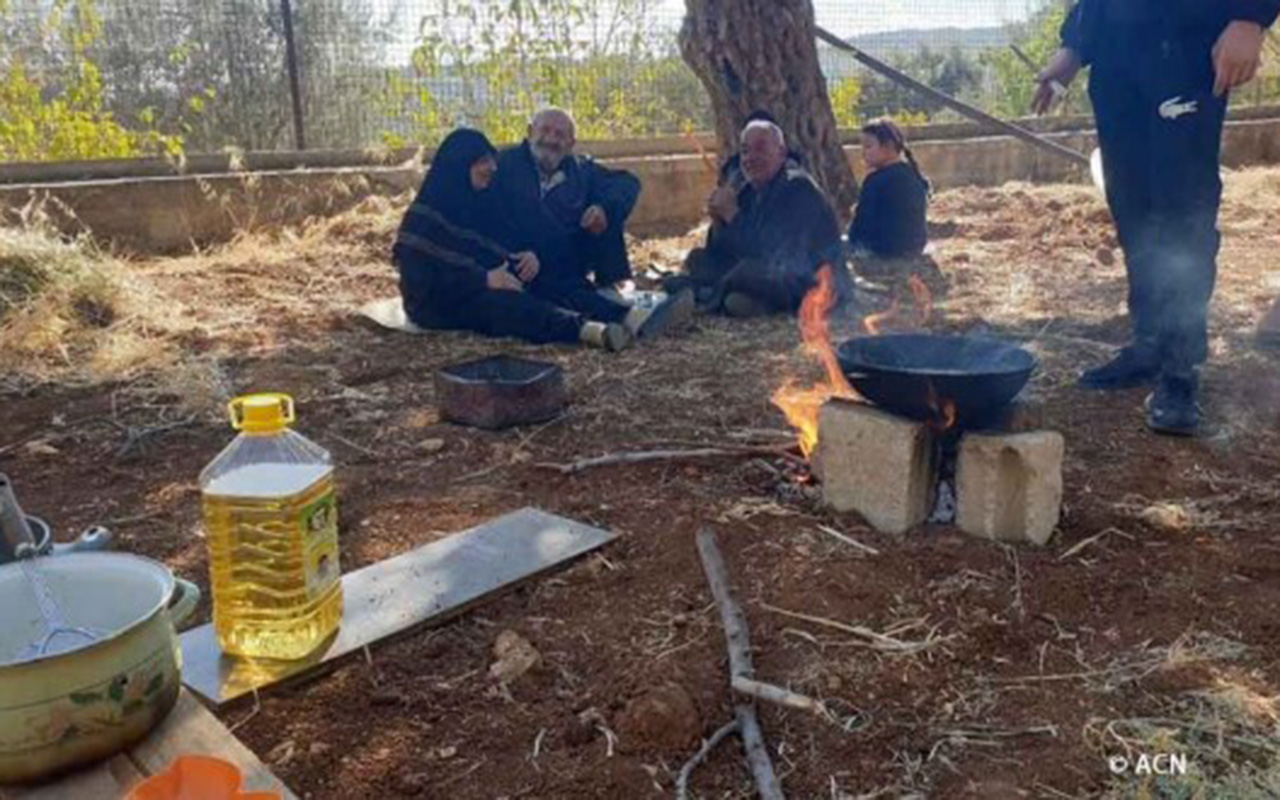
column 320, row 544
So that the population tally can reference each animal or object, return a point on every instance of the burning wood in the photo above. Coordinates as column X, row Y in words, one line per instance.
column 801, row 405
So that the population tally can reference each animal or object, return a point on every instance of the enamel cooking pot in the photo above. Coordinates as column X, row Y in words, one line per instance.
column 70, row 708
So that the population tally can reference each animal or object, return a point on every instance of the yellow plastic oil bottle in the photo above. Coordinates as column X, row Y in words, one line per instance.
column 271, row 517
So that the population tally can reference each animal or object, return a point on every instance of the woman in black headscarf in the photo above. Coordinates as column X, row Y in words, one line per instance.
column 455, row 274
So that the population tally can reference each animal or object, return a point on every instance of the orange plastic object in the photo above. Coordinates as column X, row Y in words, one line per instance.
column 197, row 778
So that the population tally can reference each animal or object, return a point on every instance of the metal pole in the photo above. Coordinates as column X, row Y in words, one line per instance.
column 295, row 85
column 969, row 111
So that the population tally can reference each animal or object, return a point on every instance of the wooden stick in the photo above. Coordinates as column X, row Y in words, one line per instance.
column 874, row 640
column 967, row 110
column 662, row 455
column 739, row 644
column 856, row 630
column 835, row 534
column 778, row 695
column 1080, row 546
column 731, row 616
column 767, row 783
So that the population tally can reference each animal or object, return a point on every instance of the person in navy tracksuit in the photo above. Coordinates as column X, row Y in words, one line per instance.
column 1161, row 73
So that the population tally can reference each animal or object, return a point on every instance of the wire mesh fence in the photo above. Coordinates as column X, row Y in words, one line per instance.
column 112, row 78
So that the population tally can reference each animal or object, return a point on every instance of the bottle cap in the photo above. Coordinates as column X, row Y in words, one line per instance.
column 262, row 413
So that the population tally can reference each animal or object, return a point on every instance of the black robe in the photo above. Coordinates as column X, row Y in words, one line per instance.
column 774, row 246
column 448, row 239
column 890, row 218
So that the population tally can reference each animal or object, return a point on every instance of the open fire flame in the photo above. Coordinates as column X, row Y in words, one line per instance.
column 922, row 299
column 944, row 411
column 801, row 405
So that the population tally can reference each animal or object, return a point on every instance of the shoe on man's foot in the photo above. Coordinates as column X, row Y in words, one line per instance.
column 675, row 311
column 1172, row 408
column 737, row 304
column 610, row 337
column 1129, row 369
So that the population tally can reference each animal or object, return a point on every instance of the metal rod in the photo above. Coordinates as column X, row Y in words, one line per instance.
column 967, row 110
column 295, row 84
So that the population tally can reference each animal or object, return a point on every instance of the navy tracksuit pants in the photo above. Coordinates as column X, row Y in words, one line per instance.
column 1160, row 130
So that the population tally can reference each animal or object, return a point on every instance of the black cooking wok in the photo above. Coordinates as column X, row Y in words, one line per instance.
column 914, row 375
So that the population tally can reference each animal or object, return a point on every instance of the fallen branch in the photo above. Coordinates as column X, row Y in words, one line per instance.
column 359, row 448
column 746, row 724
column 682, row 780
column 835, row 534
column 875, row 641
column 135, row 436
column 767, row 783
column 1080, row 546
column 778, row 695
column 663, row 455
column 984, row 736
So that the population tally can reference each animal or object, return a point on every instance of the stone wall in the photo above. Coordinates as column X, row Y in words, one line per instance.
column 170, row 213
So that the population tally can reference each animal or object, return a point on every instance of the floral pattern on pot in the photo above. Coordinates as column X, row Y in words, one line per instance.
column 91, row 709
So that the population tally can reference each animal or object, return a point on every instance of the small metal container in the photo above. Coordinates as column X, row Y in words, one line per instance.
column 500, row 392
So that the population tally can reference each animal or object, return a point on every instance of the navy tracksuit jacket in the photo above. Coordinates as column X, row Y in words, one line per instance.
column 1160, row 130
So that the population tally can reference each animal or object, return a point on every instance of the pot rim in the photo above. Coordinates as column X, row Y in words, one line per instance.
column 854, row 362
column 151, row 564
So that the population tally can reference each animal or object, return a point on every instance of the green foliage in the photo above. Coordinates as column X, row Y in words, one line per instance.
column 489, row 65
column 63, row 116
column 954, row 71
column 1014, row 81
column 846, row 95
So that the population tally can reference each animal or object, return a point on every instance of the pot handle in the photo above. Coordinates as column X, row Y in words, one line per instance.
column 186, row 595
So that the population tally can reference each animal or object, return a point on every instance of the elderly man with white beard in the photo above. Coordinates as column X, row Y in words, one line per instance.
column 769, row 235
column 567, row 208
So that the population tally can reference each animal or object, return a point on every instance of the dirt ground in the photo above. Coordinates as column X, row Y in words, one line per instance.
column 1148, row 625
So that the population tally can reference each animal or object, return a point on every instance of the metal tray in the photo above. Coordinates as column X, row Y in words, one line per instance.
column 500, row 392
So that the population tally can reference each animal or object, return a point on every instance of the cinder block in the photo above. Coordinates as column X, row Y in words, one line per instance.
column 876, row 464
column 1009, row 487
column 1024, row 416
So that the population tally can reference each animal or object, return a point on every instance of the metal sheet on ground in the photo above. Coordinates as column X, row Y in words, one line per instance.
column 429, row 584
column 189, row 730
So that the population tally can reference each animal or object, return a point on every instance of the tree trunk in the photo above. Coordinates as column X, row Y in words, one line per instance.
column 762, row 54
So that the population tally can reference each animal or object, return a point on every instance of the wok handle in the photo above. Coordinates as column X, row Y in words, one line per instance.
column 16, row 539
column 186, row 596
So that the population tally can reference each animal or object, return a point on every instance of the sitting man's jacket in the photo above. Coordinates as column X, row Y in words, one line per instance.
column 548, row 220
column 788, row 224
column 1093, row 24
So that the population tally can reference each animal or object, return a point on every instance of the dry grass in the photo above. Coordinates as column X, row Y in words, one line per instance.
column 56, row 300
column 1228, row 735
column 73, row 315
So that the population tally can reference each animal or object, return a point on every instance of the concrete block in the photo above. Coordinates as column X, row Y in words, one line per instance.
column 1024, row 415
column 1009, row 487
column 876, row 464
